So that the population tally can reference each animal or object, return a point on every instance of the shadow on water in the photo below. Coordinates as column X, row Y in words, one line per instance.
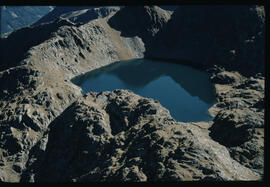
column 171, row 84
column 139, row 74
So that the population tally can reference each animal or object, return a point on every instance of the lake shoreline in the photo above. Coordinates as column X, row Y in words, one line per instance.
column 134, row 73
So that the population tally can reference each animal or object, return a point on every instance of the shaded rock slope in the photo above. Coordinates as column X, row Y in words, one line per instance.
column 49, row 131
column 141, row 21
column 230, row 36
column 23, row 39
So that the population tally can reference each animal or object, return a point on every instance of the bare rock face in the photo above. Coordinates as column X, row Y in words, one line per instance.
column 17, row 79
column 120, row 136
column 239, row 119
column 142, row 21
column 26, row 37
column 230, row 36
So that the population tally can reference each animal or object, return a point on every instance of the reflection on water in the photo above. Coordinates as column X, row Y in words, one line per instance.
column 186, row 92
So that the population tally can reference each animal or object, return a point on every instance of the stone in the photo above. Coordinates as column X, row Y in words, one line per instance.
column 226, row 78
column 145, row 143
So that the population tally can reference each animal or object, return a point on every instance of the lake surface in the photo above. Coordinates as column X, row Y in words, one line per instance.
column 186, row 92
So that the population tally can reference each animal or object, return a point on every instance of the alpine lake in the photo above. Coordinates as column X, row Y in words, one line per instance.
column 185, row 91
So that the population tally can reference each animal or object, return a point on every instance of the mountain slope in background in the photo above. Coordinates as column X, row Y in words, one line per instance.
column 15, row 17
column 83, row 13
column 68, row 12
column 58, row 11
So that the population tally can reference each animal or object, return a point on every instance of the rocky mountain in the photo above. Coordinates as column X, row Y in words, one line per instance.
column 77, row 13
column 85, row 15
column 16, row 17
column 142, row 21
column 51, row 132
column 231, row 36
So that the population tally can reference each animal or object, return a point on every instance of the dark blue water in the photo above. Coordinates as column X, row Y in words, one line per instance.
column 186, row 92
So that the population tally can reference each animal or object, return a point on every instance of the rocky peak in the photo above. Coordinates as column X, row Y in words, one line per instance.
column 23, row 39
column 142, row 21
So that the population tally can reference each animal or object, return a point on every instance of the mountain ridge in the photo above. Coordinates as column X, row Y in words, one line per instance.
column 15, row 17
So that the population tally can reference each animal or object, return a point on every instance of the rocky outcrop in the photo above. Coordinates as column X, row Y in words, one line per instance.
column 120, row 136
column 26, row 38
column 229, row 36
column 239, row 117
column 142, row 21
